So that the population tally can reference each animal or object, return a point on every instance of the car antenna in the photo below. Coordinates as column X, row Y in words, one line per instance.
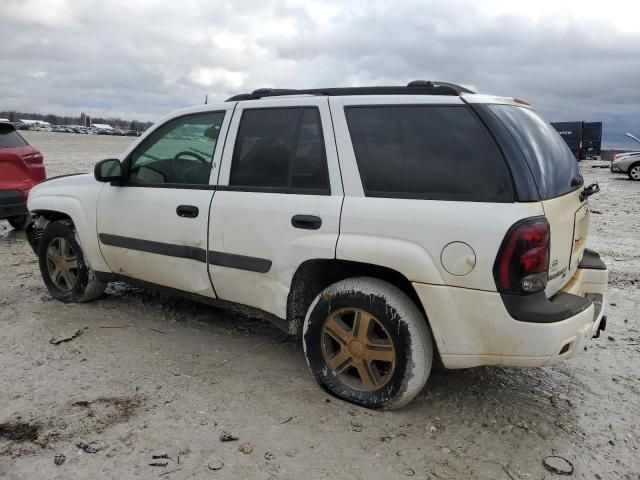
column 206, row 98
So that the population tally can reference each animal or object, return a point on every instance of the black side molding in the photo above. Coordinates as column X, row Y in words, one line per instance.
column 591, row 261
column 230, row 260
column 241, row 262
column 168, row 249
column 537, row 308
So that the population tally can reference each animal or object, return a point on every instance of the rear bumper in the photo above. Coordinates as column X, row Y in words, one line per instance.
column 12, row 203
column 473, row 327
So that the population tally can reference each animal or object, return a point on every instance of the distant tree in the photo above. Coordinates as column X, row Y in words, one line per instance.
column 68, row 120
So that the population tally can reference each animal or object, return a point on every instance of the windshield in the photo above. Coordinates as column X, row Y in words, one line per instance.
column 554, row 168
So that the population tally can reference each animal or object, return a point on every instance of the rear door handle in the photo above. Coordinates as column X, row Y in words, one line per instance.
column 307, row 222
column 189, row 211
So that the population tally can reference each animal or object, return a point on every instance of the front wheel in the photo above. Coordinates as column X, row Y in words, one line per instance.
column 64, row 270
column 368, row 343
column 634, row 172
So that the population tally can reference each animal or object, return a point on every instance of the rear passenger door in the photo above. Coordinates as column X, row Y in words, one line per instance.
column 278, row 200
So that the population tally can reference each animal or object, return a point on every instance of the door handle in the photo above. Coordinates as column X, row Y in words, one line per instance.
column 307, row 222
column 189, row 211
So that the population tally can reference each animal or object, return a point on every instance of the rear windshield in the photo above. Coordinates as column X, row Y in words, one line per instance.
column 427, row 152
column 554, row 168
column 9, row 138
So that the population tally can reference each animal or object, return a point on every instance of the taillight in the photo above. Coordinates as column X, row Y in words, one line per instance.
column 523, row 259
column 33, row 158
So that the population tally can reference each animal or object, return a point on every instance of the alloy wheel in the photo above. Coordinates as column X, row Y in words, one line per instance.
column 62, row 264
column 635, row 172
column 358, row 349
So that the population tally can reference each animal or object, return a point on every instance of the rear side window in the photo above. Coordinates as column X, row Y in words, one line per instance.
column 280, row 148
column 553, row 166
column 430, row 152
column 9, row 138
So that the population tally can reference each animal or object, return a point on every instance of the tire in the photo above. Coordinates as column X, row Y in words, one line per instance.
column 58, row 243
column 634, row 172
column 20, row 222
column 382, row 368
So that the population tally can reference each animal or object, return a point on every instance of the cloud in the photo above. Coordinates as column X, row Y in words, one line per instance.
column 37, row 75
column 143, row 59
column 210, row 77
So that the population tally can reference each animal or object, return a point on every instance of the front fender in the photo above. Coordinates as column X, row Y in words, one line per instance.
column 77, row 197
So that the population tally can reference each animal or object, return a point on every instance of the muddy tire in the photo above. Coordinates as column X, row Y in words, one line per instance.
column 20, row 222
column 64, row 270
column 367, row 342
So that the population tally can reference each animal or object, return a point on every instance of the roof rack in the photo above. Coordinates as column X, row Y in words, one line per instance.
column 416, row 87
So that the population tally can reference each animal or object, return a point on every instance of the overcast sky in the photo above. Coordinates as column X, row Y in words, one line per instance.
column 574, row 60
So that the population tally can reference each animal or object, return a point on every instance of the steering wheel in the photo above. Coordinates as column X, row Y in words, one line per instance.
column 196, row 173
column 189, row 153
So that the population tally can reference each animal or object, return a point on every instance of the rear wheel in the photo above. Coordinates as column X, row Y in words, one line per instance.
column 20, row 222
column 634, row 172
column 62, row 265
column 368, row 343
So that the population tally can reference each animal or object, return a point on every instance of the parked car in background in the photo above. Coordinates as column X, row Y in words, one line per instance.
column 21, row 167
column 628, row 162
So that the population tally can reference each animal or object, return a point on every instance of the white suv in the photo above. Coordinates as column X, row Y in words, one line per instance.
column 387, row 225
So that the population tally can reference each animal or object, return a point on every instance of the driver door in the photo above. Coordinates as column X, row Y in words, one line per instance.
column 153, row 227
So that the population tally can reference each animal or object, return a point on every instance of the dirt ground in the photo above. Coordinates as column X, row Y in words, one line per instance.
column 151, row 375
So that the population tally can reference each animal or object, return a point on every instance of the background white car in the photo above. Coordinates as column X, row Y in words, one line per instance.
column 628, row 162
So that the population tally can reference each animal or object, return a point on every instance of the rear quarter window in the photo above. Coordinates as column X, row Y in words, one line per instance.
column 427, row 152
column 551, row 162
column 9, row 138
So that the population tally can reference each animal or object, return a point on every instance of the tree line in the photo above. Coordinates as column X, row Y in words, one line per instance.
column 118, row 123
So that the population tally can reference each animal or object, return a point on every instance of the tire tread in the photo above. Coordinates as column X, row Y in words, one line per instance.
column 409, row 313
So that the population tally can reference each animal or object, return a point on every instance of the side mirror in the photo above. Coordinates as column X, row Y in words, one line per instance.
column 109, row 170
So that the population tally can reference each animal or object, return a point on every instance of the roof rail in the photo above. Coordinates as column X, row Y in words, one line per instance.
column 416, row 87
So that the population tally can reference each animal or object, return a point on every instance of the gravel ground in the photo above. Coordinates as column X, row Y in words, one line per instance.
column 151, row 375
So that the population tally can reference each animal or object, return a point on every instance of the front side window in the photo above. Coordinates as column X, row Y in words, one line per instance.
column 179, row 152
column 428, row 152
column 280, row 148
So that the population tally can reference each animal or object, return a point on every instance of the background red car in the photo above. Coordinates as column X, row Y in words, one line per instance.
column 21, row 167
